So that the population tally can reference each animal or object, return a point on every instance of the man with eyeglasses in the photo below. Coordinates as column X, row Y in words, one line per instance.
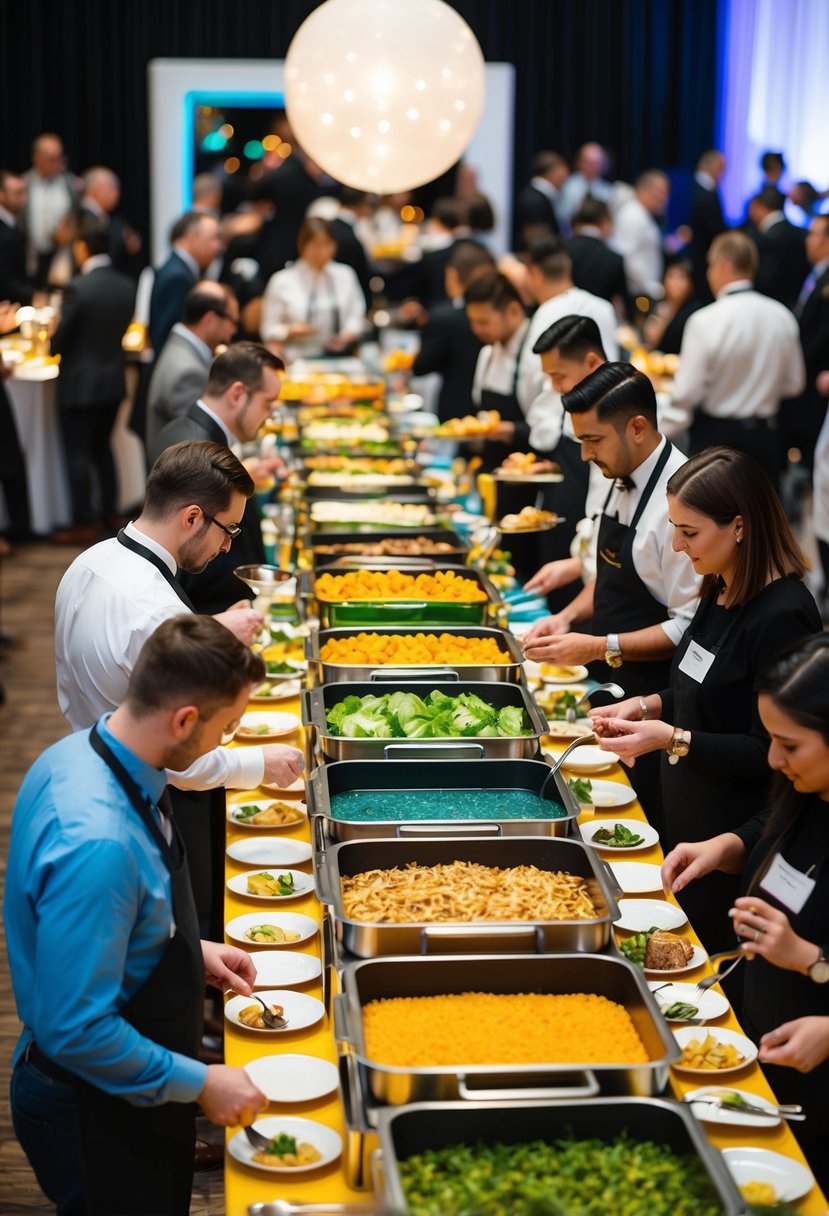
column 242, row 386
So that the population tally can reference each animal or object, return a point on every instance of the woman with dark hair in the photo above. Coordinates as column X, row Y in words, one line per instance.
column 728, row 521
column 665, row 326
column 783, row 916
column 316, row 306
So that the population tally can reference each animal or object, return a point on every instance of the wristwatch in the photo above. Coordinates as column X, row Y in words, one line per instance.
column 613, row 651
column 680, row 745
column 819, row 971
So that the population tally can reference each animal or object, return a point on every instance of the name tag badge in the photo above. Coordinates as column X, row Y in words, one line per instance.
column 696, row 662
column 788, row 886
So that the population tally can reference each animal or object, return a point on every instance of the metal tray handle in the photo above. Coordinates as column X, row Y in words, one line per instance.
column 589, row 1089
column 613, row 881
column 342, row 1033
column 423, row 751
column 312, row 705
column 378, row 1176
column 412, row 674
column 455, row 935
column 439, row 828
column 329, row 961
column 322, row 885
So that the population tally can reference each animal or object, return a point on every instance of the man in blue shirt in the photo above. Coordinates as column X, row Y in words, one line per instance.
column 106, row 963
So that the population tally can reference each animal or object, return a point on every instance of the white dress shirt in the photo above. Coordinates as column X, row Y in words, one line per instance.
column 546, row 416
column 48, row 200
column 575, row 190
column 638, row 238
column 495, row 369
column 669, row 576
column 300, row 294
column 740, row 356
column 108, row 603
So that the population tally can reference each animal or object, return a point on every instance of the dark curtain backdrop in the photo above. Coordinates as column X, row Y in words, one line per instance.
column 637, row 75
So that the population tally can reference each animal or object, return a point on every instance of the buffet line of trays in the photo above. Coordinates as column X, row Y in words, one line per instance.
column 433, row 1013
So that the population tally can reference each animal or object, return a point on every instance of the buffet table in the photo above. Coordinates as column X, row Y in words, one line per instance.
column 245, row 1186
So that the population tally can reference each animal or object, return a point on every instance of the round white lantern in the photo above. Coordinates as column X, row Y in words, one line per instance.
column 384, row 94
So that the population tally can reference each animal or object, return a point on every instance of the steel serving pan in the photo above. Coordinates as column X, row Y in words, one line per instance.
column 533, row 935
column 414, row 611
column 414, row 1129
column 317, row 701
column 325, row 672
column 605, row 975
column 343, row 535
column 434, row 768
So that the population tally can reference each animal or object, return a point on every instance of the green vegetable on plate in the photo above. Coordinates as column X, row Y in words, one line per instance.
column 619, row 837
column 282, row 1144
column 582, row 788
column 680, row 1011
column 634, row 947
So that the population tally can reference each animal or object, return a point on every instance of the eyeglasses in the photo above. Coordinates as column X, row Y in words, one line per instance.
column 231, row 530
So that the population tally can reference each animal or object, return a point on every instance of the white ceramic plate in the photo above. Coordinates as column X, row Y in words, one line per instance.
column 259, row 726
column 303, row 885
column 606, row 795
column 638, row 915
column 262, row 803
column 293, row 1078
column 258, row 851
column 557, row 729
column 696, row 960
column 587, row 759
column 324, row 1139
column 684, row 1034
column 295, row 787
column 284, row 968
column 574, row 672
column 791, row 1179
column 280, row 690
column 710, row 1004
column 708, row 1113
column 637, row 877
column 300, row 1009
column 552, row 694
column 291, row 922
column 649, row 835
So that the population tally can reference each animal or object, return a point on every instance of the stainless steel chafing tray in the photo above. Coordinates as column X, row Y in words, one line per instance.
column 604, row 975
column 533, row 934
column 317, row 701
column 439, row 772
column 414, row 1129
column 325, row 672
column 346, row 535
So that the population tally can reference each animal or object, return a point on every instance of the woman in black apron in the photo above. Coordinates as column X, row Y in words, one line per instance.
column 783, row 917
column 730, row 522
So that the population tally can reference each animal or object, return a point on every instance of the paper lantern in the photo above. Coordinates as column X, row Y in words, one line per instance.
column 384, row 94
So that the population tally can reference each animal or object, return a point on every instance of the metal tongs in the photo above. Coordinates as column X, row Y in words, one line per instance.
column 791, row 1113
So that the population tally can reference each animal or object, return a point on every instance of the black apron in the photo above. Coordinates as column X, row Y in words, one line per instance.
column 623, row 604
column 199, row 814
column 698, row 804
column 139, row 1160
column 508, row 406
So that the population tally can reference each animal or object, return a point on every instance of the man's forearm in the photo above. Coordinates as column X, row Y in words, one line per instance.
column 646, row 645
column 581, row 608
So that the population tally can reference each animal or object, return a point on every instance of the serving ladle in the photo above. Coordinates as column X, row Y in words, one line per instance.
column 557, row 763
column 613, row 689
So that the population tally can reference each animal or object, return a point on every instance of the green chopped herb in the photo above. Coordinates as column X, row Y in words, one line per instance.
column 282, row 1144
column 582, row 788
column 619, row 837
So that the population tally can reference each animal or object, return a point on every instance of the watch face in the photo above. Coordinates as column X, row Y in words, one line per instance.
column 613, row 660
column 819, row 971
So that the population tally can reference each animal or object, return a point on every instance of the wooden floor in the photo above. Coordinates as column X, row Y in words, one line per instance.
column 29, row 721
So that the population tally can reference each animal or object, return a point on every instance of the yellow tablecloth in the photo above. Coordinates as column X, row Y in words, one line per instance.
column 245, row 1186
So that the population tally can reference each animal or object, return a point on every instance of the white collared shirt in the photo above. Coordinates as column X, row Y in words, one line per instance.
column 8, row 219
column 546, row 417
column 669, row 576
column 301, row 294
column 108, row 603
column 49, row 199
column 545, row 187
column 740, row 356
column 575, row 190
column 638, row 238
column 773, row 217
column 705, row 180
column 95, row 262
column 495, row 369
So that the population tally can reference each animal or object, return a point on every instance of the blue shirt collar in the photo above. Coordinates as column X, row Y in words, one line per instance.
column 151, row 780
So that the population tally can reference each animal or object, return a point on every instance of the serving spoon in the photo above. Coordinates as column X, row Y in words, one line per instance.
column 273, row 1021
column 613, row 689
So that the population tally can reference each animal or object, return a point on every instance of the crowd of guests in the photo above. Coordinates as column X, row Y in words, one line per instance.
column 675, row 573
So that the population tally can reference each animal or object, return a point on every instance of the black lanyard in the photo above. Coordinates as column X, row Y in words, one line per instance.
column 140, row 801
column 161, row 566
column 518, row 355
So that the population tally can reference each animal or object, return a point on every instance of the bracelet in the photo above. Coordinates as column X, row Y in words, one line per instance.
column 643, row 708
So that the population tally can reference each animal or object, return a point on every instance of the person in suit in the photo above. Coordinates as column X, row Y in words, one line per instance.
column 597, row 268
column 350, row 249
column 424, row 280
column 290, row 189
column 12, row 459
column 242, row 386
column 781, row 248
column 637, row 233
column 195, row 243
column 706, row 219
column 51, row 195
column 15, row 283
column 210, row 319
column 447, row 344
column 97, row 308
column 101, row 196
column 588, row 181
column 535, row 207
column 802, row 418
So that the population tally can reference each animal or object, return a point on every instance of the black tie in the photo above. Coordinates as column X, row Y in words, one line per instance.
column 625, row 483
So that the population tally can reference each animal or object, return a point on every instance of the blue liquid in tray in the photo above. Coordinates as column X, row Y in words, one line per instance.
column 397, row 806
